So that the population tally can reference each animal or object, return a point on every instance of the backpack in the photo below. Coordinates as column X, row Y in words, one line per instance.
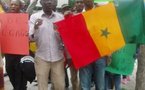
column 27, row 68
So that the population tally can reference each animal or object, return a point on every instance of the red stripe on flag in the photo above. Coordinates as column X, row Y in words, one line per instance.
column 78, row 41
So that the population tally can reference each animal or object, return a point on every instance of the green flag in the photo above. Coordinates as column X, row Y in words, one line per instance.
column 97, row 1
column 131, row 17
column 71, row 3
column 123, row 60
column 141, row 37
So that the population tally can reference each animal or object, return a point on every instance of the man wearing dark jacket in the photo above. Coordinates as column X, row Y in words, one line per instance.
column 12, row 60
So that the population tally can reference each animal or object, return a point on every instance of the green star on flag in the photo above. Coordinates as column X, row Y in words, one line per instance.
column 105, row 32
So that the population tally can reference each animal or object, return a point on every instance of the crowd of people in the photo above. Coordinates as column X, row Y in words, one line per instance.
column 51, row 56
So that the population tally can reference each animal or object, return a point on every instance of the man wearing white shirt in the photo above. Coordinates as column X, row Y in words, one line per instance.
column 48, row 56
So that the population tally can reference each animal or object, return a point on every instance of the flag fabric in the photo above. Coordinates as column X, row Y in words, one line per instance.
column 123, row 60
column 131, row 16
column 99, row 32
column 97, row 1
column 14, row 34
column 141, row 37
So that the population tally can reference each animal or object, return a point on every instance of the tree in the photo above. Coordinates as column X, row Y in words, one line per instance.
column 140, row 75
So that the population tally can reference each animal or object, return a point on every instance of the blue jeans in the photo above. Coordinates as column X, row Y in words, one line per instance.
column 115, row 78
column 97, row 70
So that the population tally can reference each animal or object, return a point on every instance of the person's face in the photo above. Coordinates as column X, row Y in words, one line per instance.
column 48, row 5
column 89, row 4
column 15, row 6
column 79, row 5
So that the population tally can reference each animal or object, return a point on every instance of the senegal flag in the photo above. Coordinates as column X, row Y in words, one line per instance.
column 101, row 31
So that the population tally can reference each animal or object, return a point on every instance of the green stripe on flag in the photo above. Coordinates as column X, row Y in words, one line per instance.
column 141, row 38
column 123, row 60
column 97, row 1
column 131, row 16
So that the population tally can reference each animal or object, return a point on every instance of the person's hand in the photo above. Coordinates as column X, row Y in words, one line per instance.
column 38, row 23
column 68, row 14
column 55, row 27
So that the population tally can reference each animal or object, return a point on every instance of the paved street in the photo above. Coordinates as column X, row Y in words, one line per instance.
column 30, row 86
column 129, row 86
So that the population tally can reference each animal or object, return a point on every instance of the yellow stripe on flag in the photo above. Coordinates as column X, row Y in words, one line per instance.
column 103, row 26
